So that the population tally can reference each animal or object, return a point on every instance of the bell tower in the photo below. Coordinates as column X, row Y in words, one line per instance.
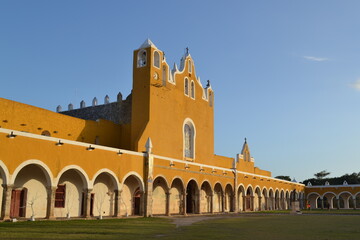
column 146, row 73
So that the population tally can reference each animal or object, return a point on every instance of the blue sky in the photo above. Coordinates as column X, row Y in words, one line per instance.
column 286, row 74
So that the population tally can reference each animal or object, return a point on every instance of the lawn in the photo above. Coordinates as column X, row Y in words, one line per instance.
column 252, row 227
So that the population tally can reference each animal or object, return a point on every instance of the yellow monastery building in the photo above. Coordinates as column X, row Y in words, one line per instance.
column 149, row 154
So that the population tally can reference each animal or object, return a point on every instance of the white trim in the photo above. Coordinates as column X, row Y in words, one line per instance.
column 335, row 195
column 197, row 183
column 46, row 170
column 334, row 186
column 156, row 51
column 314, row 193
column 218, row 182
column 137, row 176
column 65, row 141
column 181, row 180
column 108, row 171
column 206, row 180
column 186, row 121
column 83, row 175
column 6, row 172
column 164, row 178
column 241, row 185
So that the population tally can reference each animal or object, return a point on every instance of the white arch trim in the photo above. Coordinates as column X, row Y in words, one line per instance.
column 239, row 186
column 189, row 120
column 312, row 193
column 108, row 171
column 137, row 176
column 344, row 192
column 329, row 193
column 44, row 167
column 6, row 172
column 164, row 178
column 83, row 175
column 197, row 183
column 181, row 180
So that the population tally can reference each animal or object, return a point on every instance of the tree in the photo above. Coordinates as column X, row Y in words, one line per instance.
column 287, row 178
column 322, row 174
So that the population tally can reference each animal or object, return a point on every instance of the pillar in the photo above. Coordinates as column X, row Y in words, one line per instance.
column 252, row 203
column 212, row 202
column 266, row 203
column 184, row 202
column 354, row 202
column 6, row 203
column 168, row 203
column 87, row 202
column 338, row 203
column 223, row 202
column 149, row 166
column 117, row 203
column 346, row 203
column 244, row 203
column 322, row 203
column 273, row 203
column 51, row 192
column 260, row 204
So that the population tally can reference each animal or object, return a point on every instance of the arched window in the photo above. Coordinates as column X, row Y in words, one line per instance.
column 189, row 66
column 186, row 87
column 141, row 58
column 157, row 59
column 189, row 140
column 192, row 89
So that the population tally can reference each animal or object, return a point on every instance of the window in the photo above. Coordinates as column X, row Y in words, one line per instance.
column 46, row 133
column 189, row 66
column 186, row 87
column 60, row 196
column 192, row 90
column 189, row 140
column 157, row 59
column 141, row 58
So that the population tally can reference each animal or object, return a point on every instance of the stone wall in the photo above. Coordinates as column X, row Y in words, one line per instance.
column 118, row 112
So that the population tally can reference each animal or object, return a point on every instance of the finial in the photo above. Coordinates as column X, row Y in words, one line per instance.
column 245, row 140
column 163, row 55
column 187, row 50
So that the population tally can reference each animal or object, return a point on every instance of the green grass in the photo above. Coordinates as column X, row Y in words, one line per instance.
column 252, row 227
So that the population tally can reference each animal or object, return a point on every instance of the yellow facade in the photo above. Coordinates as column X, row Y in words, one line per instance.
column 162, row 162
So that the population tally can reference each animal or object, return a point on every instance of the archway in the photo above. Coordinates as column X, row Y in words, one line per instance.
column 345, row 200
column 192, row 197
column 329, row 200
column 218, row 198
column 205, row 197
column 257, row 199
column 265, row 200
column 282, row 200
column 30, row 193
column 131, row 196
column 277, row 200
column 240, row 198
column 271, row 200
column 228, row 205
column 3, row 181
column 249, row 203
column 287, row 200
column 176, row 196
column 312, row 200
column 103, row 195
column 70, row 199
column 160, row 190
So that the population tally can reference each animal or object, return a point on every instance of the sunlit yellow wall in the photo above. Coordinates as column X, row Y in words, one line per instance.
column 26, row 118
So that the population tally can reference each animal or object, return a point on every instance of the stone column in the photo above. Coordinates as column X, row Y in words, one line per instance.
column 273, row 203
column 337, row 203
column 266, row 203
column 354, row 202
column 184, row 202
column 212, row 202
column 149, row 166
column 322, row 203
column 6, row 203
column 244, row 203
column 168, row 203
column 252, row 207
column 260, row 204
column 223, row 202
column 87, row 202
column 346, row 203
column 51, row 192
column 117, row 203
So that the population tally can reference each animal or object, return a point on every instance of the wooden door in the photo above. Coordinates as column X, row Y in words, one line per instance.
column 18, row 203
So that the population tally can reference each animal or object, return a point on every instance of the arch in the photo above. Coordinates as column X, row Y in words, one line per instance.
column 189, row 138
column 79, row 170
column 257, row 199
column 250, row 189
column 218, row 204
column 4, row 173
column 43, row 167
column 156, row 59
column 159, row 199
column 176, row 196
column 249, row 200
column 192, row 197
column 110, row 173
column 74, row 184
column 229, row 200
column 265, row 199
column 186, row 86
column 164, row 178
column 132, row 199
column 312, row 198
column 344, row 198
column 240, row 197
column 138, row 177
column 31, row 181
column 141, row 58
column 104, row 187
column 271, row 199
column 205, row 197
column 192, row 90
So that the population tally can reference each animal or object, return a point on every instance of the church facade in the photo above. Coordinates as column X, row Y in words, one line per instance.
column 149, row 154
